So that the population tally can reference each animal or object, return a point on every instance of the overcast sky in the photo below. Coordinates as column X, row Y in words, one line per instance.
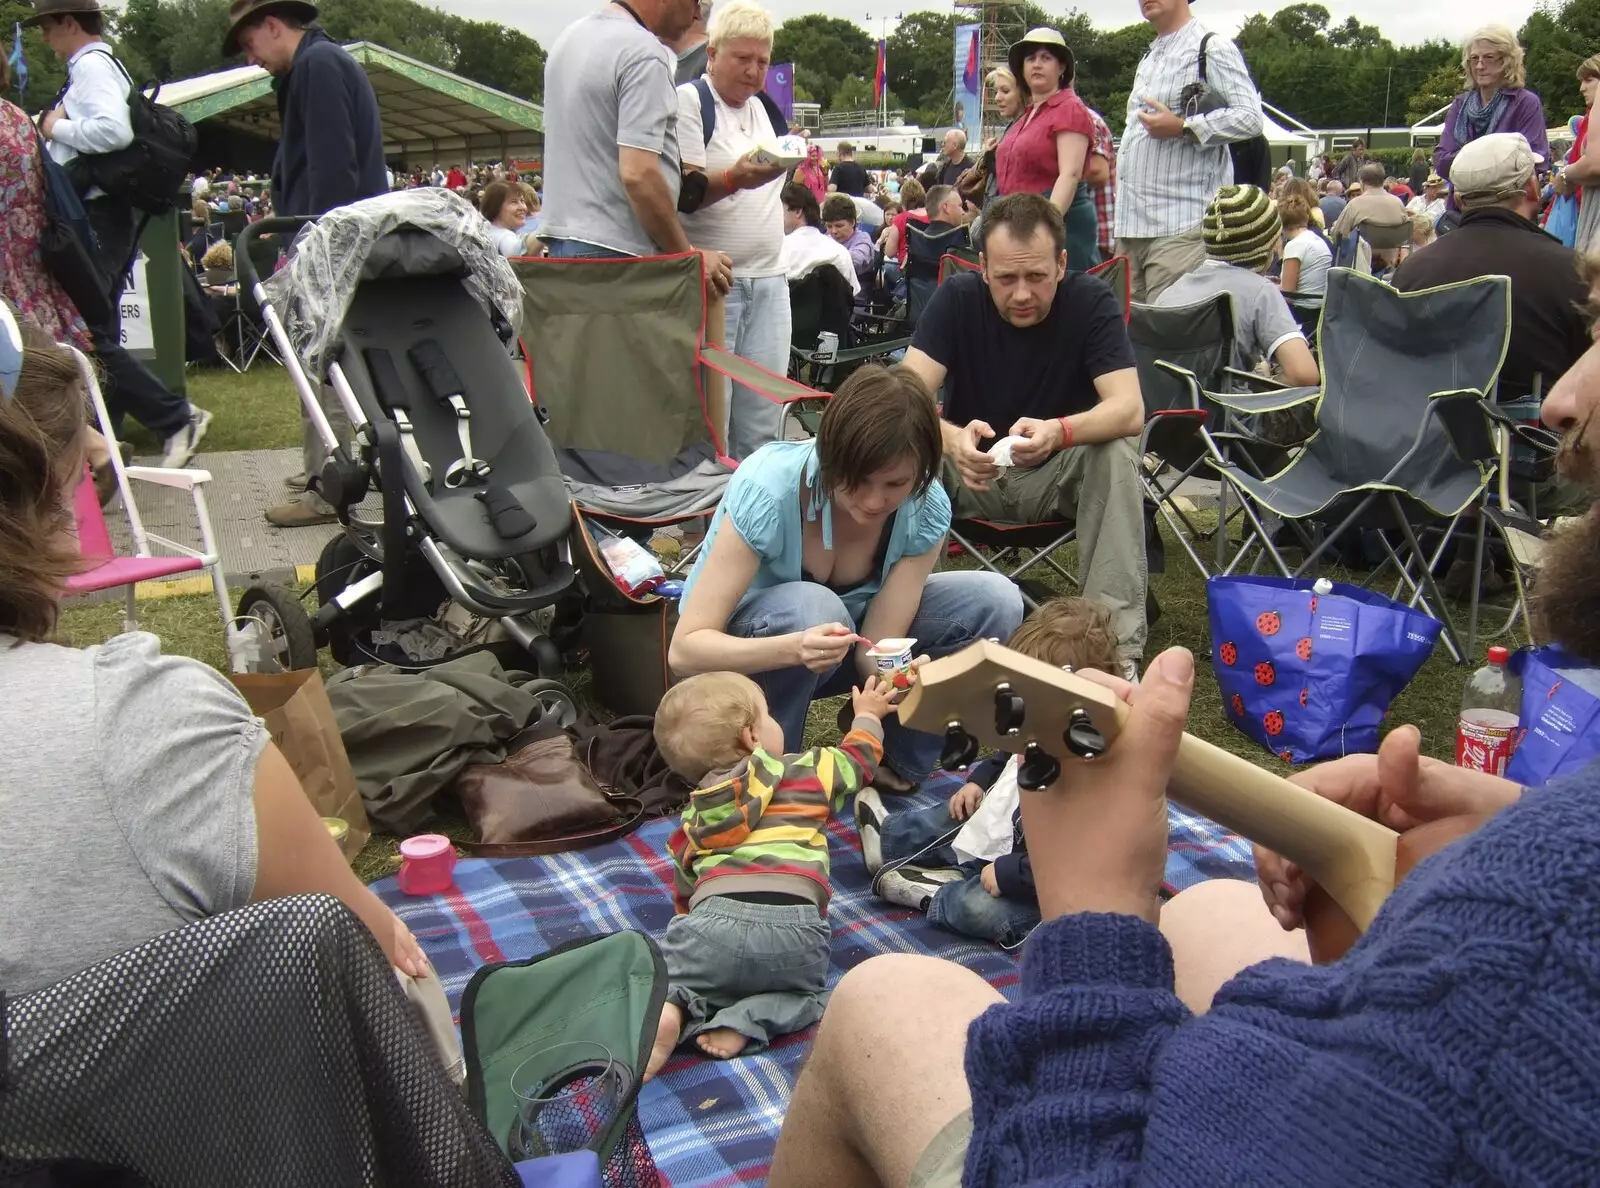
column 1401, row 23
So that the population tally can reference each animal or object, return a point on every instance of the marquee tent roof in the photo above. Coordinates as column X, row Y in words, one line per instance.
column 425, row 110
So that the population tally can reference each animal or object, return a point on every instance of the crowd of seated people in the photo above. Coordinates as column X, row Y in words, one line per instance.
column 1181, row 1042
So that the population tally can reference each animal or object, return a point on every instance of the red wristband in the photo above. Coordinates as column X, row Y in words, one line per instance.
column 1066, row 432
column 727, row 180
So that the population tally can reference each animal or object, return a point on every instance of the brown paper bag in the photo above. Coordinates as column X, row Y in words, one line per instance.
column 300, row 718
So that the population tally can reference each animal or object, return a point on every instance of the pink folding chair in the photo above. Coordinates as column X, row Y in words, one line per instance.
column 106, row 569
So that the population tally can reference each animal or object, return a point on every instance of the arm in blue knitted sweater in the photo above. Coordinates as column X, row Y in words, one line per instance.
column 1060, row 1079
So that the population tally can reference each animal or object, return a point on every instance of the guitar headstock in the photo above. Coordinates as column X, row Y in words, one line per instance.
column 987, row 695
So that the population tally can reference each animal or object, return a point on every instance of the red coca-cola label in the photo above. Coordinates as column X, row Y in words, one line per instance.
column 1485, row 743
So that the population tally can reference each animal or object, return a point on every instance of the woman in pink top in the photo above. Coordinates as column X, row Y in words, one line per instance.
column 811, row 174
column 1047, row 150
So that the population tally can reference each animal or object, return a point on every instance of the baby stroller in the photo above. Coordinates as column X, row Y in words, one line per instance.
column 402, row 307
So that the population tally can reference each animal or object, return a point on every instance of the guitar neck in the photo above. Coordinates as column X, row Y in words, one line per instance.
column 1350, row 856
column 989, row 695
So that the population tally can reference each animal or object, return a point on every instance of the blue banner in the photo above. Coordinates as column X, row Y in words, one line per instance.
column 969, row 84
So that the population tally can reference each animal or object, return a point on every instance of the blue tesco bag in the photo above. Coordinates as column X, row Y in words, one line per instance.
column 1560, row 727
column 1311, row 676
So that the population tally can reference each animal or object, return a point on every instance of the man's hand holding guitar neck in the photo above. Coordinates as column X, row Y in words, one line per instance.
column 1398, row 787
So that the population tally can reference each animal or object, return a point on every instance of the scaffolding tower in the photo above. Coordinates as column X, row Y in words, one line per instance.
column 1001, row 25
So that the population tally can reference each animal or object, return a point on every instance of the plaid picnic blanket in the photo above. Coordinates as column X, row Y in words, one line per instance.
column 714, row 1123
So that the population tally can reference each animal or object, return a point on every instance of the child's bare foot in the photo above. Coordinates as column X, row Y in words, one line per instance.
column 724, row 1043
column 667, row 1032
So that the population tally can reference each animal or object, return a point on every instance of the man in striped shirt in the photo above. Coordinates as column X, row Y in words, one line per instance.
column 1173, row 158
column 1105, row 194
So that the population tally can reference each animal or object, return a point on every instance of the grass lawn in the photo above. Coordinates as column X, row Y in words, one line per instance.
column 190, row 627
column 254, row 411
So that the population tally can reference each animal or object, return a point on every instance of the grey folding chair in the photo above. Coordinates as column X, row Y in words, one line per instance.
column 1403, row 435
column 1182, row 353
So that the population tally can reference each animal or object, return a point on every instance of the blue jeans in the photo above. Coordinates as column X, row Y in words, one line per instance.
column 757, row 329
column 576, row 249
column 957, row 609
column 913, row 836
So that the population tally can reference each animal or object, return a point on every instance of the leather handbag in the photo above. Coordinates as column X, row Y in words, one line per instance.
column 541, row 799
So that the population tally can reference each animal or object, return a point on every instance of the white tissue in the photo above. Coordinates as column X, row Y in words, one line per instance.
column 1000, row 451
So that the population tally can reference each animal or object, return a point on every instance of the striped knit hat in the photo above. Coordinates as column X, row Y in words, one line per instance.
column 1242, row 227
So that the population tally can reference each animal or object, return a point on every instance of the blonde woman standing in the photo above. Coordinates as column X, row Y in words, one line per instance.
column 1497, row 98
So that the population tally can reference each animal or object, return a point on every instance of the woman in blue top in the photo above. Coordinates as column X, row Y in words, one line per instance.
column 819, row 547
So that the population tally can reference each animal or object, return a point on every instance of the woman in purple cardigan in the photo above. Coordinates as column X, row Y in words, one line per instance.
column 1496, row 99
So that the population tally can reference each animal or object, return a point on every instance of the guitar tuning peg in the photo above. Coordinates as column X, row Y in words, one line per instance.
column 1081, row 737
column 1038, row 770
column 1009, row 710
column 960, row 748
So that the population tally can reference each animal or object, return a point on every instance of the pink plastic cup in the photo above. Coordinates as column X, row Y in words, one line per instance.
column 427, row 864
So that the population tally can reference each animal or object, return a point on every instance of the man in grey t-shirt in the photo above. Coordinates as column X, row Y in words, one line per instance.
column 1241, row 231
column 611, row 163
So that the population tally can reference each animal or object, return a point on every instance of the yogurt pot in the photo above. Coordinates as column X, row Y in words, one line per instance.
column 893, row 658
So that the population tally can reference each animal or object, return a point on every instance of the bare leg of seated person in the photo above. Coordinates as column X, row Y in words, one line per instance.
column 885, row 1075
column 1218, row 928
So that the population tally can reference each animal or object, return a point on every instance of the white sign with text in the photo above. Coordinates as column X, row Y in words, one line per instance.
column 138, row 335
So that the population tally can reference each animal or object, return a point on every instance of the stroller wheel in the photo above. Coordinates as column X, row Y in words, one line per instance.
column 555, row 701
column 286, row 639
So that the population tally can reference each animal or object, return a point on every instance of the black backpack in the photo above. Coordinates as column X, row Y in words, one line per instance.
column 708, row 111
column 148, row 173
column 1252, row 158
column 67, row 243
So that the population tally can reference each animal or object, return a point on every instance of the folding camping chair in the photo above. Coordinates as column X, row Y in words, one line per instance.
column 821, row 301
column 1403, row 435
column 1183, row 353
column 244, row 333
column 926, row 245
column 270, row 1045
column 1356, row 249
column 619, row 365
column 1015, row 549
column 107, row 569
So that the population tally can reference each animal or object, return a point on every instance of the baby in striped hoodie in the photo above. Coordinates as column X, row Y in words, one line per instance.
column 747, row 955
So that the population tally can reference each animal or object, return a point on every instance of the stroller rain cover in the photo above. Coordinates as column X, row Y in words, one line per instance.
column 312, row 292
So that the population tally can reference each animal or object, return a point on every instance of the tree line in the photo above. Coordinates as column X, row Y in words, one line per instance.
column 1325, row 74
column 165, row 40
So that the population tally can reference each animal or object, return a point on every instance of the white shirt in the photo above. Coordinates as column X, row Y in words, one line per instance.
column 1421, row 205
column 97, row 119
column 1315, row 259
column 747, row 225
column 807, row 249
column 1164, row 186
column 868, row 213
column 507, row 241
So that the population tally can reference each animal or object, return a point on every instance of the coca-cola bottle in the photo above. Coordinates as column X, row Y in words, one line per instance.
column 1486, row 732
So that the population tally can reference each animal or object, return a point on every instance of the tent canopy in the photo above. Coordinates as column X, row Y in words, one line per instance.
column 426, row 111
column 1283, row 130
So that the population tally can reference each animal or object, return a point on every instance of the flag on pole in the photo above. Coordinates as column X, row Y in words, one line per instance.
column 880, row 83
column 780, row 86
column 17, row 61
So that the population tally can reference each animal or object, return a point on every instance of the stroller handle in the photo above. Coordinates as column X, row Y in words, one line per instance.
column 278, row 225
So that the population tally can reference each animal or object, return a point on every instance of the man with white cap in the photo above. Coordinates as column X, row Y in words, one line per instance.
column 1496, row 185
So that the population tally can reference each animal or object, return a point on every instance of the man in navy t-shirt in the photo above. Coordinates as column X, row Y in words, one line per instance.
column 1034, row 353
